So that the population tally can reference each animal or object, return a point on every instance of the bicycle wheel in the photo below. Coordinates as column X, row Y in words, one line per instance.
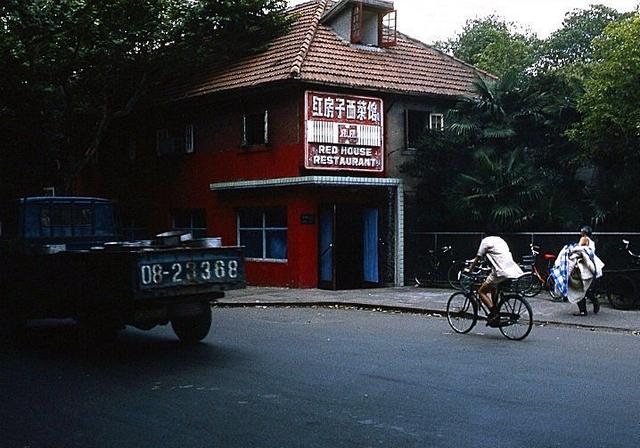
column 550, row 285
column 516, row 318
column 453, row 274
column 529, row 285
column 621, row 292
column 422, row 279
column 462, row 312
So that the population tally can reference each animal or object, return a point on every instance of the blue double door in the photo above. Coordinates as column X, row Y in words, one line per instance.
column 349, row 246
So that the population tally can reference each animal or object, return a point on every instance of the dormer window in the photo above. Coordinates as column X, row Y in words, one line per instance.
column 364, row 22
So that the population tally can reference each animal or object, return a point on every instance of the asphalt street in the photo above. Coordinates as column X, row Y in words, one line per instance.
column 318, row 377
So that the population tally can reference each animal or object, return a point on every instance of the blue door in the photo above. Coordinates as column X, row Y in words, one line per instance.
column 370, row 245
column 326, row 263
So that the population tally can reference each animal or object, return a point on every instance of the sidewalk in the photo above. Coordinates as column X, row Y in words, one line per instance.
column 427, row 300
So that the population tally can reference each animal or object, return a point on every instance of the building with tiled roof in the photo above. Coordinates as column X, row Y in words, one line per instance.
column 313, row 52
column 295, row 152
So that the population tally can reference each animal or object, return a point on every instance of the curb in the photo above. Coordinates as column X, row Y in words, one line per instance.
column 405, row 309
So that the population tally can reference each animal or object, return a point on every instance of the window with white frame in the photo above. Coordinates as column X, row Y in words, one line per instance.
column 255, row 129
column 263, row 233
column 436, row 121
column 191, row 220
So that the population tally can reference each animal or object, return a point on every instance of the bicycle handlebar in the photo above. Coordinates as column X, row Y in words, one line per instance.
column 625, row 244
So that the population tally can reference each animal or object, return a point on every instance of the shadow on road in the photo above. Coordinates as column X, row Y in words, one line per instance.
column 63, row 342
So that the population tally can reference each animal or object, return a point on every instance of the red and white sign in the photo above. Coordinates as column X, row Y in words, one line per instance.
column 343, row 132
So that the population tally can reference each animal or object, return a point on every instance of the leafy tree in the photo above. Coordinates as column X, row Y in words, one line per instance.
column 73, row 67
column 493, row 45
column 610, row 126
column 571, row 45
column 500, row 159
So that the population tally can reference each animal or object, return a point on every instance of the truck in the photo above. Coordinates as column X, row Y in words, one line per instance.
column 63, row 257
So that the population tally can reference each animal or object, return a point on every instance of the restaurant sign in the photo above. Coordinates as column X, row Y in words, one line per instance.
column 343, row 132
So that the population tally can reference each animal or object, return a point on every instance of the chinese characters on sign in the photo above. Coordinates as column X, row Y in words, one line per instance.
column 343, row 132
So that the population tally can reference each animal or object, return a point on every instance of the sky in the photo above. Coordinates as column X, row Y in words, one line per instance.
column 432, row 20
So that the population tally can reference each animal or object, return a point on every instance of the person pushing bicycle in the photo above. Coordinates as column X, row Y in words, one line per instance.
column 503, row 267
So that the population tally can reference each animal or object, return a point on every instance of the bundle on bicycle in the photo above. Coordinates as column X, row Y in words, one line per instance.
column 575, row 271
column 514, row 314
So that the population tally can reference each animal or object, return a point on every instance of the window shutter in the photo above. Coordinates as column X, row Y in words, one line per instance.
column 356, row 23
column 388, row 32
column 188, row 139
column 266, row 127
column 245, row 140
column 406, row 128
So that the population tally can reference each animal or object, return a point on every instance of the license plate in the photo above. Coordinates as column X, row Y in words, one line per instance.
column 187, row 272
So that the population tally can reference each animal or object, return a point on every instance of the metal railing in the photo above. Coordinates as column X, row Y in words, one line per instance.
column 465, row 245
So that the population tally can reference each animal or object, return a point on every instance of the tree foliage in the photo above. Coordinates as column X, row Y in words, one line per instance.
column 610, row 126
column 72, row 67
column 555, row 140
column 493, row 45
column 571, row 44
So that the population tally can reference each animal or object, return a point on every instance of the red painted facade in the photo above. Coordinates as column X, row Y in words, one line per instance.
column 151, row 186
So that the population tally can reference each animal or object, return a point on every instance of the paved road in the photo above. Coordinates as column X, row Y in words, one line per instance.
column 317, row 377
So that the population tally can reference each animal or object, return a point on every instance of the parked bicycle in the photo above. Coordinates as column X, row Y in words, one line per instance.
column 620, row 286
column 539, row 279
column 515, row 317
column 437, row 268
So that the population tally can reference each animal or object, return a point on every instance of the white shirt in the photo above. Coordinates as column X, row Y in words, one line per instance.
column 497, row 252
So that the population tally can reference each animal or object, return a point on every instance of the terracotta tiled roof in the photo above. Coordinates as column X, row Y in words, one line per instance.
column 313, row 52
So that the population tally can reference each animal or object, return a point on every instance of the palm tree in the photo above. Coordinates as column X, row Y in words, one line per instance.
column 501, row 184
column 500, row 188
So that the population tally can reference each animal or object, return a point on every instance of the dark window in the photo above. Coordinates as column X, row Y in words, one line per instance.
column 191, row 220
column 105, row 220
column 255, row 129
column 175, row 140
column 69, row 219
column 416, row 124
column 263, row 232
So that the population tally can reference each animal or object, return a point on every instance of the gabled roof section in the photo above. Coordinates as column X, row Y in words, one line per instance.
column 312, row 52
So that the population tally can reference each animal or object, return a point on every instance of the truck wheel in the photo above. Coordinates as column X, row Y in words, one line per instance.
column 193, row 329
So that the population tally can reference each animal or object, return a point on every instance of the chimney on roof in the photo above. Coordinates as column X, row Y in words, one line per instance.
column 364, row 22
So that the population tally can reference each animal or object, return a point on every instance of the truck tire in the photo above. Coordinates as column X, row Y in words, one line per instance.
column 193, row 329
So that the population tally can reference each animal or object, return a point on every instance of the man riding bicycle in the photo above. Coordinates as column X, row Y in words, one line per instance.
column 503, row 268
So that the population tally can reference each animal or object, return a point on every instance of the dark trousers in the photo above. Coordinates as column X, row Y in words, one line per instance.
column 582, row 304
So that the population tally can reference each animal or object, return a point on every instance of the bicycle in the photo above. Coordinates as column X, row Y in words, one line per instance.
column 515, row 317
column 539, row 279
column 436, row 267
column 620, row 285
column 458, row 268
